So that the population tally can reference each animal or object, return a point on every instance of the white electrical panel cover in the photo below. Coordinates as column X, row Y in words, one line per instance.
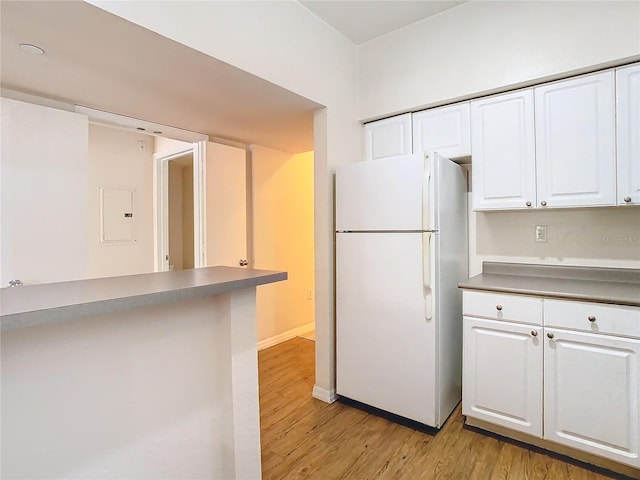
column 117, row 217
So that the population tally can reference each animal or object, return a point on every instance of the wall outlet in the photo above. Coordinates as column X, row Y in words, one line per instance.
column 309, row 294
column 541, row 234
column 142, row 146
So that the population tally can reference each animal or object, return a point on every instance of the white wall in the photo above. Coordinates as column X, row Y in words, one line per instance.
column 284, row 43
column 161, row 144
column 44, row 213
column 283, row 238
column 486, row 46
column 116, row 161
column 598, row 237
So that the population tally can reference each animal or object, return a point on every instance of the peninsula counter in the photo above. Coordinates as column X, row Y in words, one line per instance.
column 142, row 376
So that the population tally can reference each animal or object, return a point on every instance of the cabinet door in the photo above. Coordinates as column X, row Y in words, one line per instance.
column 388, row 138
column 502, row 374
column 575, row 141
column 504, row 171
column 591, row 393
column 628, row 140
column 445, row 130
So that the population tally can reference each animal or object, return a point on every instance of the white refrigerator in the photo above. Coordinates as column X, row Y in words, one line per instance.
column 401, row 249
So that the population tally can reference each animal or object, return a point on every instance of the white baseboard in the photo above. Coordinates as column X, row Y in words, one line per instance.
column 284, row 336
column 327, row 396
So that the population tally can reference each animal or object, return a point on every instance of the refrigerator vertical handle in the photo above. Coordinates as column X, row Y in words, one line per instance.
column 426, row 187
column 426, row 275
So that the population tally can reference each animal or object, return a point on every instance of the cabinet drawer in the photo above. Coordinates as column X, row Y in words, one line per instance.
column 593, row 317
column 499, row 306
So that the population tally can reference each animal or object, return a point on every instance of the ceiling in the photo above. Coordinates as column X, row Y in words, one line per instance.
column 101, row 61
column 364, row 20
column 98, row 60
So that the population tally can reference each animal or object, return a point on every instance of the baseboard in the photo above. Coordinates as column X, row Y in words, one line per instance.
column 327, row 396
column 284, row 336
column 580, row 455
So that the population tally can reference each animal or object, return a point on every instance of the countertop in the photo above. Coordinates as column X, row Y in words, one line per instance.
column 618, row 286
column 37, row 304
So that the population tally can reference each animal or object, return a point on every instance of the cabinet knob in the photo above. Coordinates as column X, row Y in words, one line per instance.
column 534, row 333
column 591, row 318
column 528, row 204
column 498, row 307
column 627, row 199
column 550, row 335
column 543, row 203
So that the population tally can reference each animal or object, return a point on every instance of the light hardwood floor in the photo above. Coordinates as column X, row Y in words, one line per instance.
column 306, row 438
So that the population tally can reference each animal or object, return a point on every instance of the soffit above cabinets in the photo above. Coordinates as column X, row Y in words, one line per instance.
column 361, row 21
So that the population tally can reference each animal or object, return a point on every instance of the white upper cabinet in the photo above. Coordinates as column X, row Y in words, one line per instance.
column 575, row 141
column 628, row 136
column 502, row 135
column 388, row 138
column 444, row 129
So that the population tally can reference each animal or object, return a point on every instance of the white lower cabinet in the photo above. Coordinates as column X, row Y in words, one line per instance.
column 507, row 393
column 578, row 385
column 591, row 393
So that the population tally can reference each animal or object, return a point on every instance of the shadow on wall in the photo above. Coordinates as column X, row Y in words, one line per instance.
column 587, row 233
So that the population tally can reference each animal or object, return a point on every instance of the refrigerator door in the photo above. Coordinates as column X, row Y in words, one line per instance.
column 386, row 347
column 381, row 195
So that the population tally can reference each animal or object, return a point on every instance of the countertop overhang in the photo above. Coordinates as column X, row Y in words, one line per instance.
column 620, row 286
column 32, row 305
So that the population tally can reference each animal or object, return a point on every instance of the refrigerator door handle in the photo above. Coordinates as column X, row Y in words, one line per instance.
column 426, row 187
column 426, row 275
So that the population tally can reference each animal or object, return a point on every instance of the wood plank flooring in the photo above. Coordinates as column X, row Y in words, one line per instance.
column 305, row 438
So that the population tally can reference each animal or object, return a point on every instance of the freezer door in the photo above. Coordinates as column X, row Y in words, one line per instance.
column 385, row 344
column 382, row 194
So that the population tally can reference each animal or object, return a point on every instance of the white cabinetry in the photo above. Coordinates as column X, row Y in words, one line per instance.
column 507, row 393
column 502, row 134
column 554, row 145
column 575, row 141
column 388, row 138
column 443, row 129
column 628, row 138
column 591, row 378
column 589, row 395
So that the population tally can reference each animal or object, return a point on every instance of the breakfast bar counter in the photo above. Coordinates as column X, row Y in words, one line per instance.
column 142, row 376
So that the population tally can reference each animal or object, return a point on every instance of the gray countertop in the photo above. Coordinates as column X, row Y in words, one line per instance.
column 37, row 304
column 602, row 285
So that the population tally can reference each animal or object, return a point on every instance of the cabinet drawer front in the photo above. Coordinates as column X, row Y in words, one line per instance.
column 593, row 317
column 499, row 306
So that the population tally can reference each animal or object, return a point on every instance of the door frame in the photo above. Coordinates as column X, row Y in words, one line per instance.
column 161, row 204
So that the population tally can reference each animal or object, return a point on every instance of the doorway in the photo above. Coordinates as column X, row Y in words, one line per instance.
column 219, row 201
column 180, row 212
column 171, row 243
